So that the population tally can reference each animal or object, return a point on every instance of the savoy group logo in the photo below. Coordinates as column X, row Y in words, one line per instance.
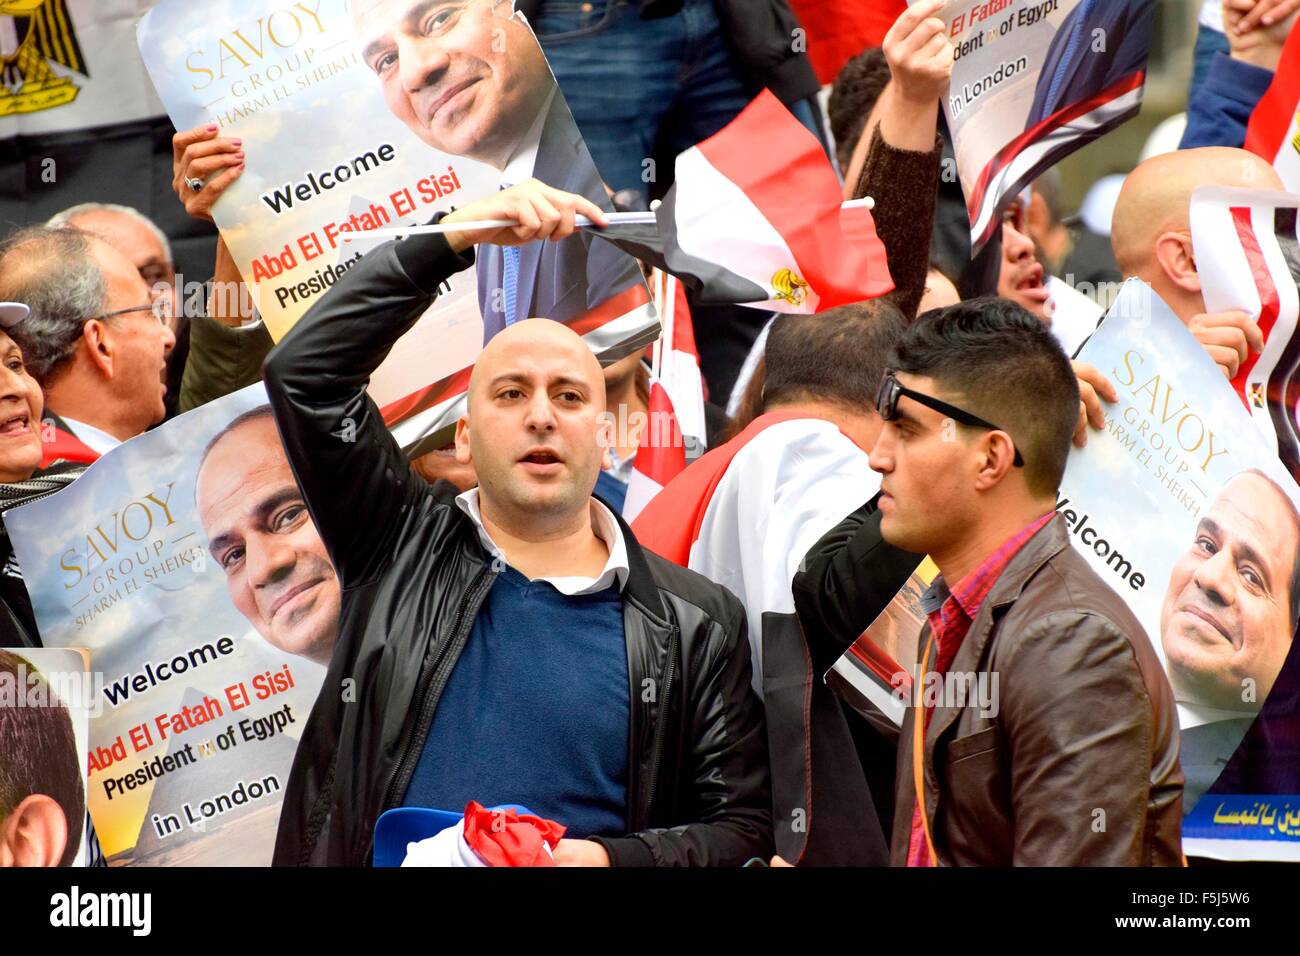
column 33, row 35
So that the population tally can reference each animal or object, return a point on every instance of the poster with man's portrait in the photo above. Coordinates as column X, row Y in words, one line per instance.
column 1183, row 507
column 358, row 115
column 186, row 562
column 1032, row 81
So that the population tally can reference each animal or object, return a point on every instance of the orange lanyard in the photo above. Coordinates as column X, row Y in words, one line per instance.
column 918, row 751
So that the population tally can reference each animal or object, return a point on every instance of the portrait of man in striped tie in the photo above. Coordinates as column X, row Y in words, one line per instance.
column 469, row 79
column 1097, row 45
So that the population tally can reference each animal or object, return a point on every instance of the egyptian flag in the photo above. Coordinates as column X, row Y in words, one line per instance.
column 838, row 30
column 660, row 454
column 501, row 836
column 1274, row 129
column 744, row 515
column 80, row 121
column 1248, row 256
column 675, row 360
column 57, row 444
column 756, row 217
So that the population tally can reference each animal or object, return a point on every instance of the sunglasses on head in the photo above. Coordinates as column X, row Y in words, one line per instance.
column 891, row 390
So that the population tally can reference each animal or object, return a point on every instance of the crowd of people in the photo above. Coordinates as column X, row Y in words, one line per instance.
column 656, row 686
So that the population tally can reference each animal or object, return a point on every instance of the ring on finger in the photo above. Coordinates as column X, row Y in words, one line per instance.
column 195, row 184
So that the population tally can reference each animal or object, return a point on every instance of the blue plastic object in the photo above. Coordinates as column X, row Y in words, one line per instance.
column 402, row 825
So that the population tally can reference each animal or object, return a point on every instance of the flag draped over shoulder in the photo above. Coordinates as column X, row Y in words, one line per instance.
column 745, row 515
column 1274, row 129
column 755, row 217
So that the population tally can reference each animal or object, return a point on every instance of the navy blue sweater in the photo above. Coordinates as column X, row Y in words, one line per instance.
column 535, row 711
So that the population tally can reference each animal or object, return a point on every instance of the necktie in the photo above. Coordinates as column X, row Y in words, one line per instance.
column 1067, row 66
column 510, row 281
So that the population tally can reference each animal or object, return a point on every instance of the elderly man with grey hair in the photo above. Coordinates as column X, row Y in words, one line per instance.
column 220, row 343
column 138, row 237
column 97, row 337
column 130, row 232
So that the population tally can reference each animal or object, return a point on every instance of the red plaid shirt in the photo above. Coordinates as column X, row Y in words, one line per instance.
column 949, row 624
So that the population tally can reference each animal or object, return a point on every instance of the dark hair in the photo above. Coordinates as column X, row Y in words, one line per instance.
column 38, row 754
column 1294, row 513
column 853, row 95
column 252, row 415
column 993, row 358
column 834, row 356
column 52, row 272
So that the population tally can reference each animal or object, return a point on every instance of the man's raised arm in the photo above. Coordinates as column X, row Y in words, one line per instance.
column 353, row 475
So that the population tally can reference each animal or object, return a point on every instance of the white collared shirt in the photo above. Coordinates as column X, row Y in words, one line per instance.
column 603, row 523
column 521, row 163
column 98, row 441
column 1191, row 714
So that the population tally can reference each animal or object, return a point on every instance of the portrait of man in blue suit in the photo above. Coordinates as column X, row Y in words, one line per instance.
column 469, row 78
column 1098, row 44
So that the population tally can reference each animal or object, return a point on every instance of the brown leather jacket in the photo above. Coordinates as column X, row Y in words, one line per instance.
column 1077, row 764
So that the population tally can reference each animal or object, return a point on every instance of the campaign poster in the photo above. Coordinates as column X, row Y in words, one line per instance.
column 1032, row 81
column 1248, row 259
column 46, row 696
column 1182, row 506
column 186, row 562
column 357, row 115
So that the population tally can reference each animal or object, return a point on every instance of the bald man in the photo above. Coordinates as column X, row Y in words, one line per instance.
column 512, row 643
column 1151, row 236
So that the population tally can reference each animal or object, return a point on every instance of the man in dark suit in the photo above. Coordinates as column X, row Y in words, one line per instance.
column 1096, row 45
column 468, row 78
column 1228, row 617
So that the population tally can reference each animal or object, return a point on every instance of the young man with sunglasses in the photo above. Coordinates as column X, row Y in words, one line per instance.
column 96, row 340
column 1074, row 759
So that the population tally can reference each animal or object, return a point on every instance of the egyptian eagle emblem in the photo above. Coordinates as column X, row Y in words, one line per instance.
column 44, row 34
column 790, row 287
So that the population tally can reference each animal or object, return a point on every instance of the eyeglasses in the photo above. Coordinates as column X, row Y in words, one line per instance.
column 891, row 390
column 160, row 307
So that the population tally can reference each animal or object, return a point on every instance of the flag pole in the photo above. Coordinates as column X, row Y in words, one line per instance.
column 582, row 222
column 656, row 353
column 670, row 311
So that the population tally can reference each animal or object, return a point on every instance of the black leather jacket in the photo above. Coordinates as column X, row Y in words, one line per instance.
column 414, row 575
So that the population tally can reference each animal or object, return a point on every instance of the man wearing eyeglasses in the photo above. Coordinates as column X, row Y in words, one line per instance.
column 1076, row 760
column 96, row 340
column 468, row 78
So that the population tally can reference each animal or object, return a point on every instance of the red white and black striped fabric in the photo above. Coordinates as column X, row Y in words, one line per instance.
column 1040, row 147
column 660, row 453
column 675, row 432
column 1248, row 258
column 744, row 515
column 80, row 122
column 755, row 217
column 1274, row 129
